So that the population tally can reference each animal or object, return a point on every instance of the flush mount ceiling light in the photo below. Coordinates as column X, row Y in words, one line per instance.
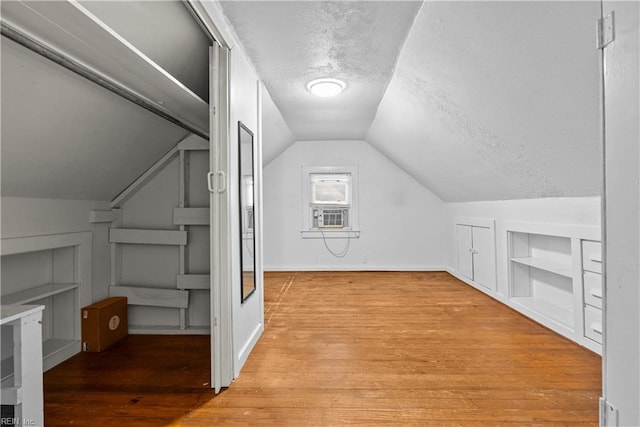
column 326, row 87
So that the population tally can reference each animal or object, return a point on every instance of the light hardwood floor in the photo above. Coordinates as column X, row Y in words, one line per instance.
column 346, row 348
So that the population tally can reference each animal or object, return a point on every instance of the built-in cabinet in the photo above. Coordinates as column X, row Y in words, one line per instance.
column 554, row 278
column 476, row 253
column 53, row 271
column 592, row 290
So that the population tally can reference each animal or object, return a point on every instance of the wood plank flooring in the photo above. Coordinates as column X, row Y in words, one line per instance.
column 345, row 348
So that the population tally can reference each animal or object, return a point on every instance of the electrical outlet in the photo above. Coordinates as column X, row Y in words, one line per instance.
column 364, row 260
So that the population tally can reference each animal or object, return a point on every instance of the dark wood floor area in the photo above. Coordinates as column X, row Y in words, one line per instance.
column 345, row 348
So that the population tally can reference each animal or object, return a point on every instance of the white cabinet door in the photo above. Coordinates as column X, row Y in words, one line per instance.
column 484, row 265
column 464, row 245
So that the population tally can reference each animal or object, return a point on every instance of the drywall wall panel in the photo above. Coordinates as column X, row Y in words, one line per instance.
column 64, row 137
column 22, row 217
column 248, row 317
column 276, row 135
column 578, row 211
column 401, row 222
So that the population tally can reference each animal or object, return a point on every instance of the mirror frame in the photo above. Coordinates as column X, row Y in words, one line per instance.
column 246, row 233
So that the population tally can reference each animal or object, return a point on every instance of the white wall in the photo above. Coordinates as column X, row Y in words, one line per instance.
column 276, row 135
column 401, row 222
column 578, row 211
column 248, row 317
column 22, row 217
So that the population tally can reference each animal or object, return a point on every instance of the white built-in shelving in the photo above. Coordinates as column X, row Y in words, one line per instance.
column 546, row 281
column 545, row 265
column 52, row 295
column 65, row 261
column 23, row 389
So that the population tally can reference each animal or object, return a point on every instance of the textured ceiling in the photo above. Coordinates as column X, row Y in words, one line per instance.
column 487, row 100
column 293, row 42
column 497, row 100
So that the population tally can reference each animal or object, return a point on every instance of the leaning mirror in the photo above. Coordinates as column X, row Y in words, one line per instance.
column 247, row 223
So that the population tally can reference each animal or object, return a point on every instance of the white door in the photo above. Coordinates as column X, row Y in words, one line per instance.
column 221, row 332
column 621, row 351
column 464, row 245
column 484, row 268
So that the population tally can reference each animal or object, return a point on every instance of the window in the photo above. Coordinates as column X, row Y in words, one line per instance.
column 331, row 189
column 329, row 201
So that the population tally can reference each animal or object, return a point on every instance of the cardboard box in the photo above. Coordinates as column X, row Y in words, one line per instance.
column 104, row 323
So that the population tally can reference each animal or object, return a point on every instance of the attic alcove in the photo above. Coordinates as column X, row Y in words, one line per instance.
column 99, row 93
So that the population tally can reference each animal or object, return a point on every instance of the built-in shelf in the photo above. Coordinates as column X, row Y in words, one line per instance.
column 6, row 369
column 547, row 309
column 554, row 276
column 193, row 143
column 52, row 350
column 37, row 293
column 191, row 216
column 169, row 330
column 330, row 234
column 53, row 346
column 194, row 281
column 147, row 237
column 155, row 305
column 62, row 260
column 25, row 387
column 543, row 264
column 59, row 347
column 154, row 297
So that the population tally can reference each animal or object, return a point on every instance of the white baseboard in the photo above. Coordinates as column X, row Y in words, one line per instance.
column 246, row 349
column 354, row 268
column 491, row 292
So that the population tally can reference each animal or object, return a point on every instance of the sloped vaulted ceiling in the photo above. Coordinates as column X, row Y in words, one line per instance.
column 488, row 100
column 496, row 100
column 293, row 42
column 65, row 137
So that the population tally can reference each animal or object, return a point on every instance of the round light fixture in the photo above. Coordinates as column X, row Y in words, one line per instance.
column 326, row 87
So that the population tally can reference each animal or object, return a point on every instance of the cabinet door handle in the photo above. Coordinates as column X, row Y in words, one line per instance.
column 595, row 292
column 598, row 260
column 596, row 327
column 222, row 182
column 473, row 251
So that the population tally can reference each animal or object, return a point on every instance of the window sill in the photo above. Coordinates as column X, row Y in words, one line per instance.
column 330, row 234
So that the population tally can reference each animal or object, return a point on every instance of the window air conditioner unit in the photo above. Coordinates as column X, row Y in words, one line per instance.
column 330, row 217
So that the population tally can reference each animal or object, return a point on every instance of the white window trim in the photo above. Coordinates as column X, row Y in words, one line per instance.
column 354, row 225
